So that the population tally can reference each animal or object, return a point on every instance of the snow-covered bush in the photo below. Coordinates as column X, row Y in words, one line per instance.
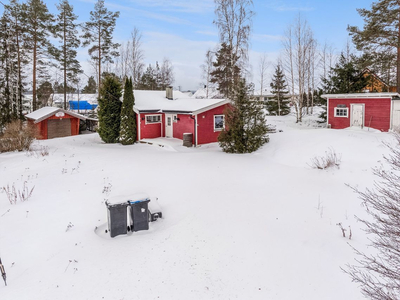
column 331, row 159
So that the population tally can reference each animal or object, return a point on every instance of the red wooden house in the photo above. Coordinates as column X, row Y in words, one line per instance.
column 172, row 113
column 376, row 110
column 53, row 122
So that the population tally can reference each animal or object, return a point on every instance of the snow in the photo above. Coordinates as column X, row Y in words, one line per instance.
column 90, row 98
column 252, row 226
column 42, row 112
column 156, row 101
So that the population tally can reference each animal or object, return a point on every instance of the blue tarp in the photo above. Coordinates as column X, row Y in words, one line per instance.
column 74, row 105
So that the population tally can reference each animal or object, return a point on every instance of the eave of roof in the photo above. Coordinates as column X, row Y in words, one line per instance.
column 360, row 95
column 40, row 119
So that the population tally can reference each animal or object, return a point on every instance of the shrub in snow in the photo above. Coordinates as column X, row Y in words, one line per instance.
column 245, row 125
column 17, row 137
column 109, row 110
column 379, row 274
column 127, row 134
column 331, row 159
column 13, row 194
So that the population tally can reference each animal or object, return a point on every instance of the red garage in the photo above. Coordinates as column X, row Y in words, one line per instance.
column 172, row 113
column 376, row 110
column 53, row 122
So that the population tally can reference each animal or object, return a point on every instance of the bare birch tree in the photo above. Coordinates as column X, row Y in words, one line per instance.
column 234, row 22
column 207, row 67
column 136, row 58
column 263, row 64
column 297, row 42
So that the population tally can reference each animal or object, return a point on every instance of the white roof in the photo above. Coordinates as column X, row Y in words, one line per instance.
column 45, row 112
column 156, row 101
column 361, row 95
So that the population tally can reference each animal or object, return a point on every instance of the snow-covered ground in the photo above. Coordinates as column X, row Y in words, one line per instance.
column 253, row 226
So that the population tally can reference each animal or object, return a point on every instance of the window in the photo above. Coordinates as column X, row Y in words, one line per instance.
column 219, row 122
column 153, row 119
column 341, row 112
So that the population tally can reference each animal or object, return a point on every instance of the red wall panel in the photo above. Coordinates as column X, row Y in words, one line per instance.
column 205, row 127
column 151, row 130
column 376, row 113
column 185, row 124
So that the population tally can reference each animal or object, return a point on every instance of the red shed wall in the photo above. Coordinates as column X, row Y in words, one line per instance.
column 376, row 113
column 205, row 128
column 42, row 126
column 185, row 124
column 151, row 130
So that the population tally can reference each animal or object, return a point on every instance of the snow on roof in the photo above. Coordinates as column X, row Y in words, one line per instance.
column 90, row 98
column 42, row 112
column 45, row 112
column 202, row 93
column 361, row 95
column 156, row 101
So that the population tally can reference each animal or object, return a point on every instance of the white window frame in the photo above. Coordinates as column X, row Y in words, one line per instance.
column 346, row 109
column 151, row 116
column 223, row 125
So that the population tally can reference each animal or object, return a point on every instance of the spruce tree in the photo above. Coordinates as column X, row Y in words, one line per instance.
column 98, row 33
column 226, row 72
column 109, row 110
column 66, row 30
column 38, row 28
column 245, row 124
column 345, row 77
column 279, row 106
column 127, row 135
column 381, row 30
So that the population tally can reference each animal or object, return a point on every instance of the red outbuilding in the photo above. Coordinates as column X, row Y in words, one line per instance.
column 376, row 110
column 173, row 114
column 53, row 122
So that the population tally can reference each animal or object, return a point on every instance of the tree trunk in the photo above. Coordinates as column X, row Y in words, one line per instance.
column 34, row 72
column 19, row 83
column 99, row 63
column 65, row 63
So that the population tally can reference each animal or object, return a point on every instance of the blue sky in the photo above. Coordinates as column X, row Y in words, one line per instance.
column 182, row 30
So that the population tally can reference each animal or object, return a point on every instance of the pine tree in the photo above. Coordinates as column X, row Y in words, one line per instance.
column 38, row 28
column 279, row 107
column 246, row 129
column 90, row 88
column 18, row 27
column 98, row 33
column 226, row 73
column 381, row 30
column 345, row 77
column 44, row 91
column 65, row 29
column 127, row 134
column 109, row 110
column 148, row 81
column 6, row 72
